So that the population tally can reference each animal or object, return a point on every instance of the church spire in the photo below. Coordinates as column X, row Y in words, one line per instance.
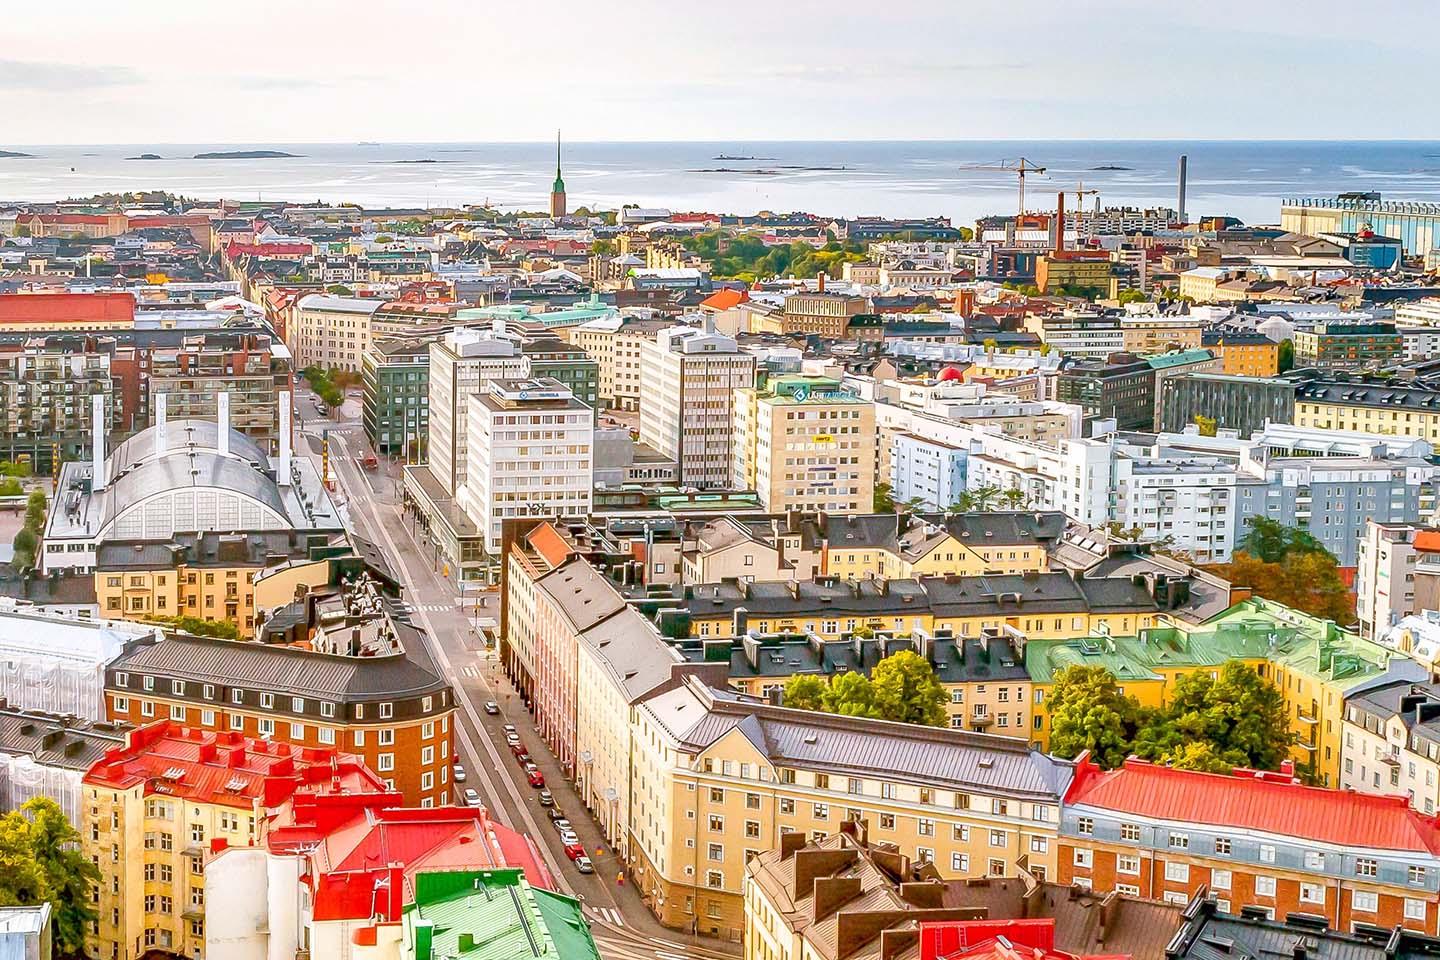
column 557, row 189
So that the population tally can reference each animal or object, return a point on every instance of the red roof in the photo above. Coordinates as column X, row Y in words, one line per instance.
column 1255, row 800
column 224, row 767
column 267, row 250
column 949, row 374
column 1427, row 541
column 361, row 847
column 725, row 299
column 996, row 940
column 66, row 307
column 77, row 218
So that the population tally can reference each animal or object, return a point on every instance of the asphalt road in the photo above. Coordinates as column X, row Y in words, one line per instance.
column 622, row 925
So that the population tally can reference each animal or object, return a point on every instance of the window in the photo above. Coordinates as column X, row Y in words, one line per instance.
column 822, row 811
column 1085, row 826
column 387, row 710
column 960, row 863
column 717, row 795
column 714, row 878
column 1039, row 845
column 266, row 726
column 997, row 838
column 1179, row 841
column 926, row 827
column 1264, row 886
column 1267, row 853
column 1414, row 909
column 1220, row 879
column 386, row 737
column 752, row 829
column 1222, row 846
column 996, row 868
column 961, row 832
column 1130, row 831
column 1177, row 872
column 1084, row 857
column 122, row 704
column 1365, row 901
column 267, row 700
column 887, row 821
column 716, row 824
column 1127, row 864
column 1365, row 867
column 1312, row 893
column 1416, row 875
column 715, row 852
column 1127, row 889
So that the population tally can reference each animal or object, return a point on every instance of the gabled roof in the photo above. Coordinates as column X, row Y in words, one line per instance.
column 1252, row 800
column 66, row 307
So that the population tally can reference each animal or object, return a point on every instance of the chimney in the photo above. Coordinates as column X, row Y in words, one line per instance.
column 1184, row 160
column 1060, row 222
column 222, row 407
column 97, row 442
column 162, row 431
column 831, row 893
column 282, row 469
column 820, row 282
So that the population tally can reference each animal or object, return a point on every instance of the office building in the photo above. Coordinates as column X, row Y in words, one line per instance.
column 805, row 443
column 1119, row 388
column 331, row 331
column 396, row 405
column 530, row 452
column 1343, row 345
column 462, row 363
column 821, row 312
column 615, row 344
column 1385, row 573
column 1241, row 402
column 688, row 379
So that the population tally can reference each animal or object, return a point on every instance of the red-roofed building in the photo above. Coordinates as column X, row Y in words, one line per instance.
column 94, row 225
column 332, row 865
column 996, row 940
column 67, row 311
column 725, row 299
column 281, row 250
column 154, row 810
column 1254, row 839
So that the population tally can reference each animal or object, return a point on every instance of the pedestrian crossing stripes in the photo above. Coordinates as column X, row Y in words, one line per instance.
column 470, row 671
column 607, row 915
column 428, row 607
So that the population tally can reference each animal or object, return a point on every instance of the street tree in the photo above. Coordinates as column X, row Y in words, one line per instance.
column 1088, row 712
column 907, row 690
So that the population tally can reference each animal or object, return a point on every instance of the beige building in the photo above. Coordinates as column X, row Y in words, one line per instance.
column 330, row 331
column 719, row 779
column 688, row 379
column 804, row 443
column 1146, row 334
column 1391, row 743
column 822, row 313
column 615, row 345
column 729, row 548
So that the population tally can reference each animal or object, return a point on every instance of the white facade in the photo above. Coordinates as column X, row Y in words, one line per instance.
column 688, row 379
column 530, row 452
column 57, row 664
column 1384, row 577
column 462, row 363
column 926, row 470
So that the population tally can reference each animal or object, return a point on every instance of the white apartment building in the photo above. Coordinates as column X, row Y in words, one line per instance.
column 616, row 344
column 688, row 379
column 331, row 331
column 1384, row 577
column 1424, row 312
column 529, row 452
column 462, row 363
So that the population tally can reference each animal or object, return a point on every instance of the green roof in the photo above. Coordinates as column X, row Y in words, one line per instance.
column 492, row 915
column 1177, row 358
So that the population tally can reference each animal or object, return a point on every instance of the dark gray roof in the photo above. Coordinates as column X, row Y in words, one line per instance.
column 56, row 741
column 582, row 594
column 1207, row 934
column 201, row 469
column 288, row 669
column 697, row 716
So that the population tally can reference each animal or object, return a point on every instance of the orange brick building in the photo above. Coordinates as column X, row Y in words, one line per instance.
column 1253, row 839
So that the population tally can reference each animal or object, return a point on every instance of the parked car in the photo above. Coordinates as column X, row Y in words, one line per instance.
column 513, row 739
column 562, row 824
column 472, row 799
column 457, row 773
column 492, row 708
column 569, row 837
column 583, row 864
column 533, row 776
column 509, row 729
column 556, row 815
column 547, row 799
column 522, row 758
column 575, row 850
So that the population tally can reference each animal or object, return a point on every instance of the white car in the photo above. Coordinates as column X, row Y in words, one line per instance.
column 568, row 837
column 472, row 799
column 512, row 739
column 459, row 774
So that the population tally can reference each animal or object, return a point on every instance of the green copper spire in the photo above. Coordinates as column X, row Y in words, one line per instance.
column 559, row 184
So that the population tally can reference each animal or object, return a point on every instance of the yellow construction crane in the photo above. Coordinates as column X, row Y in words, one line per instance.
column 1080, row 194
column 1019, row 166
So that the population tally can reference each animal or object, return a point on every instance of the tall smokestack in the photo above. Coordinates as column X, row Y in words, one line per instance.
column 820, row 282
column 162, row 432
column 97, row 442
column 1184, row 160
column 222, row 408
column 1060, row 222
column 282, row 469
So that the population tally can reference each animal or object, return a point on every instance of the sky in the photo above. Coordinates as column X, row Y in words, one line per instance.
column 261, row 71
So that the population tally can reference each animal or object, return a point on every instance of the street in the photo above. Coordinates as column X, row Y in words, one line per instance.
column 371, row 500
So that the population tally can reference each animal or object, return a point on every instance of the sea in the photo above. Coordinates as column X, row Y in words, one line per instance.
column 956, row 179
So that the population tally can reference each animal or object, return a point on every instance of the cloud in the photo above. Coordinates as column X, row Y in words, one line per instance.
column 52, row 77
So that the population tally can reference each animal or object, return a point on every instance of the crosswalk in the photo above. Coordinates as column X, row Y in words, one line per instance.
column 606, row 915
column 470, row 671
column 427, row 607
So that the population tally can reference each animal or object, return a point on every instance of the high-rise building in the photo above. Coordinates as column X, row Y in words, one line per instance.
column 530, row 453
column 688, row 379
column 461, row 363
column 804, row 443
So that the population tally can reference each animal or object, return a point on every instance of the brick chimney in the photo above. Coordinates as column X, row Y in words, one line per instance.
column 1060, row 222
column 820, row 282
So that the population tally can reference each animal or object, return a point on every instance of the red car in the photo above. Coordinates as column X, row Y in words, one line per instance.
column 518, row 749
column 575, row 850
column 533, row 774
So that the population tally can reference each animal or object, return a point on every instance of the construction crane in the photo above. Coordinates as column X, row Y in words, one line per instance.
column 1019, row 166
column 1080, row 194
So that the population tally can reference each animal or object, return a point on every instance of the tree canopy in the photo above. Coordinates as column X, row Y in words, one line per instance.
column 1235, row 719
column 1289, row 565
column 1271, row 541
column 748, row 257
column 41, row 860
column 902, row 688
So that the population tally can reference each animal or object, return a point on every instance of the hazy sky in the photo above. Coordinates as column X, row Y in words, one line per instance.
column 181, row 71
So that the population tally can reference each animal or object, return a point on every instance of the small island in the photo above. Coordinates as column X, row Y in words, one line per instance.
column 1111, row 166
column 247, row 155
column 13, row 155
column 147, row 156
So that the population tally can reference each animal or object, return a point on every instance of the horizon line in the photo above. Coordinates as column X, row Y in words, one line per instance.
column 732, row 142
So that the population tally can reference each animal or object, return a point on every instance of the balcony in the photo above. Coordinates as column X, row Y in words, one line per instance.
column 980, row 721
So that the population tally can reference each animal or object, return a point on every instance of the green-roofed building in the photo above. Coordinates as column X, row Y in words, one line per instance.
column 492, row 915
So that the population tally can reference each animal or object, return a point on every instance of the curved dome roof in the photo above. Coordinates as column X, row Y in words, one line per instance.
column 179, row 435
column 203, row 469
column 950, row 373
